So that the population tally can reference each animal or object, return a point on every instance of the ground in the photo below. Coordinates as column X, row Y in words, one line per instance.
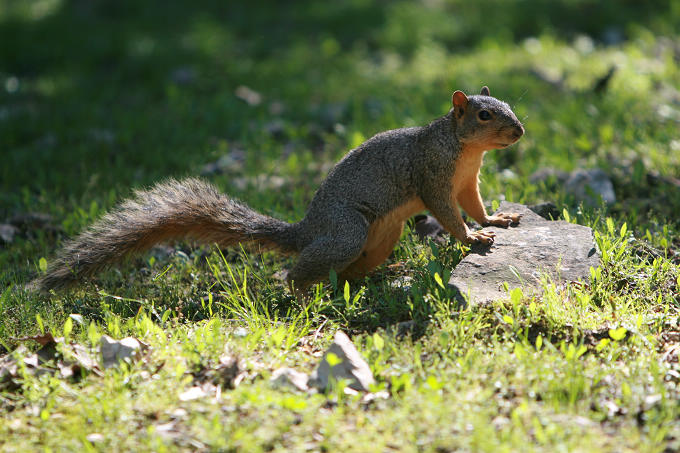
column 99, row 98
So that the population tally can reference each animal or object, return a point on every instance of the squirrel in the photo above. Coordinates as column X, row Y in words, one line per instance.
column 354, row 220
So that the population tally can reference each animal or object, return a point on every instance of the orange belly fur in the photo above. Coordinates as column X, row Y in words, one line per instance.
column 383, row 234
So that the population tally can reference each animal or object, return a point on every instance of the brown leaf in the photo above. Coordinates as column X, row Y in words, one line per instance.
column 42, row 340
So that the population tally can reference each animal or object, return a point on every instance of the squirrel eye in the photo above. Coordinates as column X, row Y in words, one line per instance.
column 484, row 115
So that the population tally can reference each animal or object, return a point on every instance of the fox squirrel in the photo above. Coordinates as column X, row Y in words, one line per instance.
column 354, row 220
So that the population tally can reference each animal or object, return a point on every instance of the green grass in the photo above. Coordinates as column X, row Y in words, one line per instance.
column 99, row 98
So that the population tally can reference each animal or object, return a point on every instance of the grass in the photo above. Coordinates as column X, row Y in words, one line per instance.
column 99, row 98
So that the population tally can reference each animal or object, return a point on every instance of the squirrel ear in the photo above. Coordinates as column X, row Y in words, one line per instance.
column 485, row 91
column 459, row 99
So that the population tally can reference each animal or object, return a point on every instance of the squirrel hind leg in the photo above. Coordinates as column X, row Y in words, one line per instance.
column 325, row 253
column 379, row 246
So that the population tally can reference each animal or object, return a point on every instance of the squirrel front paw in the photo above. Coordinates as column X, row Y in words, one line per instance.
column 480, row 237
column 502, row 219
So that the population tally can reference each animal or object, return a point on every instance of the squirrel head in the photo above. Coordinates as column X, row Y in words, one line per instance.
column 483, row 122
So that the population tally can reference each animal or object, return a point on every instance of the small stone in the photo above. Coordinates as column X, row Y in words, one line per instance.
column 94, row 437
column 30, row 220
column 248, row 95
column 288, row 377
column 240, row 332
column 114, row 351
column 548, row 175
column 183, row 75
column 277, row 107
column 404, row 328
column 547, row 210
column 348, row 364
column 589, row 186
column 428, row 227
column 371, row 397
column 276, row 128
column 192, row 393
column 7, row 232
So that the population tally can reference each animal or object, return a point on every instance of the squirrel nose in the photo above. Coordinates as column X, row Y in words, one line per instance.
column 518, row 131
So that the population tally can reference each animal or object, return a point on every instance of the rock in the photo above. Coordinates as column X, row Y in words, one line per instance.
column 347, row 364
column 428, row 227
column 193, row 393
column 248, row 95
column 589, row 186
column 7, row 232
column 261, row 182
column 29, row 220
column 521, row 255
column 584, row 185
column 276, row 128
column 548, row 175
column 232, row 161
column 288, row 377
column 114, row 351
column 183, row 75
column 547, row 210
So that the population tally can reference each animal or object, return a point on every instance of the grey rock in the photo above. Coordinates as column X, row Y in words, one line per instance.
column 288, row 377
column 547, row 175
column 590, row 185
column 548, row 210
column 248, row 95
column 114, row 351
column 183, row 75
column 30, row 220
column 7, row 232
column 520, row 256
column 428, row 227
column 351, row 366
column 232, row 161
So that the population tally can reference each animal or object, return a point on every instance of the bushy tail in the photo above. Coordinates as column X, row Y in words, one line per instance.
column 171, row 210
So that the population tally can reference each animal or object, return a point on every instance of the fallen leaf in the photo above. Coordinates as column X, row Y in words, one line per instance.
column 42, row 340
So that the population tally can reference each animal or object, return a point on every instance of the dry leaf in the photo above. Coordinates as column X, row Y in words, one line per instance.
column 42, row 340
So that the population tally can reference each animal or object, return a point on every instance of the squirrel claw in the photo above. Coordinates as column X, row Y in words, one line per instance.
column 481, row 237
column 503, row 219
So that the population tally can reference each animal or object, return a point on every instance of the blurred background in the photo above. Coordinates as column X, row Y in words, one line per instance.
column 99, row 97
